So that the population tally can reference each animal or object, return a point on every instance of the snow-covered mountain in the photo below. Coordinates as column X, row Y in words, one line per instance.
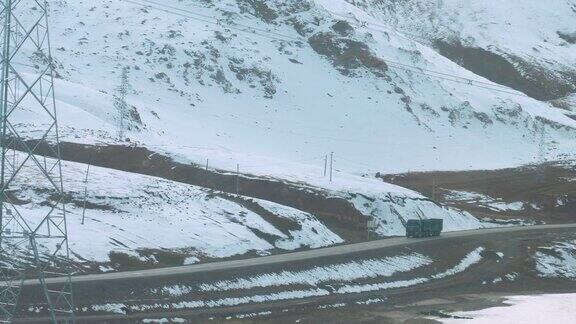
column 272, row 87
column 266, row 82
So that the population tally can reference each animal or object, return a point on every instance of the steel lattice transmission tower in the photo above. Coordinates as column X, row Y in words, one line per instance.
column 33, row 234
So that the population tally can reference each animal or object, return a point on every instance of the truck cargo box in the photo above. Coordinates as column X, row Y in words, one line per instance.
column 424, row 227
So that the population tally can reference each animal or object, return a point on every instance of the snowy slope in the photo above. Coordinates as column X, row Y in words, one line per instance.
column 128, row 213
column 265, row 101
column 142, row 216
column 522, row 309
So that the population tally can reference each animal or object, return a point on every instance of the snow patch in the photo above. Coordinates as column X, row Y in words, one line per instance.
column 557, row 309
column 469, row 260
column 130, row 212
column 341, row 272
column 558, row 260
column 484, row 201
column 313, row 233
column 371, row 301
column 392, row 211
column 116, row 308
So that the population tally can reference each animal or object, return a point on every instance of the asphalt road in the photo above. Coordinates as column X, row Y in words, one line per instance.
column 298, row 256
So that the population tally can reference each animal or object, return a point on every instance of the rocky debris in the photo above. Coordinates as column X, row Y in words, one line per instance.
column 511, row 71
column 568, row 37
column 254, row 76
column 347, row 54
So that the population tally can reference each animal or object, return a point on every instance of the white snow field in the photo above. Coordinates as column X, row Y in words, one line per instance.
column 276, row 103
column 557, row 309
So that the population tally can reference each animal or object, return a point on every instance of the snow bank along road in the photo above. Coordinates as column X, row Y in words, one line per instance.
column 305, row 255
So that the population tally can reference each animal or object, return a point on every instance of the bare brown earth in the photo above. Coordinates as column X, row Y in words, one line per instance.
column 339, row 214
column 548, row 191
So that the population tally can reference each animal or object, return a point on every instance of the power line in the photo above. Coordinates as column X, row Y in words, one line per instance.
column 291, row 132
column 235, row 23
column 465, row 81
column 412, row 38
column 303, row 160
column 300, row 161
column 365, row 24
column 282, row 37
column 204, row 18
column 369, row 166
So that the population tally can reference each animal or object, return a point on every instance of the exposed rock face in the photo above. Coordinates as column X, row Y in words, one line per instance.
column 346, row 54
column 569, row 37
column 531, row 49
column 514, row 72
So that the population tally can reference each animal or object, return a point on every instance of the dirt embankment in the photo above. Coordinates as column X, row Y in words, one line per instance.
column 543, row 193
column 507, row 267
column 337, row 213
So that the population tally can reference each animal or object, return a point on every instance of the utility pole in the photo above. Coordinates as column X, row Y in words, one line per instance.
column 371, row 225
column 237, row 179
column 33, row 243
column 331, row 164
column 206, row 175
column 325, row 164
column 85, row 193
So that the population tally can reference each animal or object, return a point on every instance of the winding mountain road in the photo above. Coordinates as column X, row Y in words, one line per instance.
column 339, row 250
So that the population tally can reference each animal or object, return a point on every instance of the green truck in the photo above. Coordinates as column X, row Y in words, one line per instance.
column 424, row 227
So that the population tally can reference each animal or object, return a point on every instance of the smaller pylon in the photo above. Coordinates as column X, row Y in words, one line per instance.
column 121, row 104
